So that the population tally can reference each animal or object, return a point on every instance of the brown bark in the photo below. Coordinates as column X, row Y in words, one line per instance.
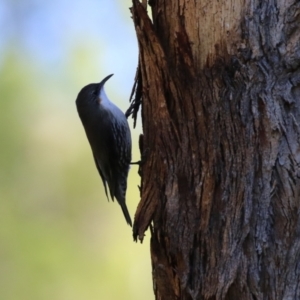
column 220, row 87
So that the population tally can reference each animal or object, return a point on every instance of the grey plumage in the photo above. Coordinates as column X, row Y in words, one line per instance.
column 109, row 136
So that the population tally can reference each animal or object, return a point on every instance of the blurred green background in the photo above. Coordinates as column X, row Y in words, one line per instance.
column 59, row 236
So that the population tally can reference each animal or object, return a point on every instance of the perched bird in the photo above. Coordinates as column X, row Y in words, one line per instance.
column 109, row 136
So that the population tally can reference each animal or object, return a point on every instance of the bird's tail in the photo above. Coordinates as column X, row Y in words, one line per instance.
column 120, row 194
column 126, row 213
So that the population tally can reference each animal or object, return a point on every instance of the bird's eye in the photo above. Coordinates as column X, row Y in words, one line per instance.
column 94, row 92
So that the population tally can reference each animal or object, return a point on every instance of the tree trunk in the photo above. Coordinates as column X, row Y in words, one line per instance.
column 219, row 83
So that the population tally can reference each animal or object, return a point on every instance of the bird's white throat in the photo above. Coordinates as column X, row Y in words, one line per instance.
column 107, row 104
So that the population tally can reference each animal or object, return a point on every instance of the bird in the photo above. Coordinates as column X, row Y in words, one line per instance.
column 109, row 136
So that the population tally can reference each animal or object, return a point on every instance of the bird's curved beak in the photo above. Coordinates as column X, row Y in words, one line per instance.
column 100, row 90
column 102, row 82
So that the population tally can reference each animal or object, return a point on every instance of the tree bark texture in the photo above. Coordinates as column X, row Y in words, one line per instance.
column 219, row 83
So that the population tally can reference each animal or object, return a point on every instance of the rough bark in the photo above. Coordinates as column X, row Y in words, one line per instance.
column 220, row 87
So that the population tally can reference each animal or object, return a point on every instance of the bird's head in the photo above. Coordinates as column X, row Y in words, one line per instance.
column 92, row 93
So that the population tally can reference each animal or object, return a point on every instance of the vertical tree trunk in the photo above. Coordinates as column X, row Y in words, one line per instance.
column 220, row 87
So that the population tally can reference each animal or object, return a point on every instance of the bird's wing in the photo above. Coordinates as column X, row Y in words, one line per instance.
column 102, row 176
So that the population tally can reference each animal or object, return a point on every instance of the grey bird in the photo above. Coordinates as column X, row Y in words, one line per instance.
column 108, row 133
